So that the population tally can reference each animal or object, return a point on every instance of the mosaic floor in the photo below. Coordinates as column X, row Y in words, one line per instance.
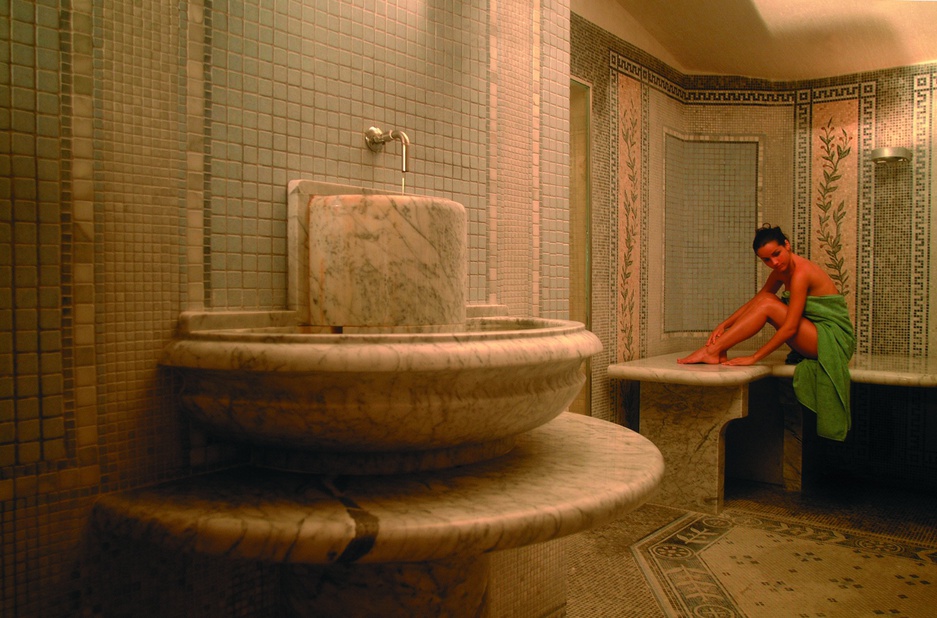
column 837, row 550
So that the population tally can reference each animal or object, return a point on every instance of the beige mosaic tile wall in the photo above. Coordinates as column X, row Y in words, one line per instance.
column 893, row 313
column 769, row 127
column 146, row 150
column 887, row 226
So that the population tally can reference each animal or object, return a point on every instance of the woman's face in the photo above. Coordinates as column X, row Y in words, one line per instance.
column 775, row 256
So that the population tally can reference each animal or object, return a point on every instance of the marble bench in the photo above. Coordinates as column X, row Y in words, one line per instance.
column 685, row 411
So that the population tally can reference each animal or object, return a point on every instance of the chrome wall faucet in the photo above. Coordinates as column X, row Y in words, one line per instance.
column 376, row 139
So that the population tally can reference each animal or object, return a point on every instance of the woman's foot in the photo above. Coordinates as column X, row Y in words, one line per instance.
column 704, row 356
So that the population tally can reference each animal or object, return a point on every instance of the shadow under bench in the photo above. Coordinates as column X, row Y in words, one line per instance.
column 686, row 411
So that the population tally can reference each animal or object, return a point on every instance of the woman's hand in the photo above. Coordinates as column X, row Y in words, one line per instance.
column 741, row 361
column 716, row 334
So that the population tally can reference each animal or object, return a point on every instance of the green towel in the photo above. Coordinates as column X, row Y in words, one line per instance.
column 823, row 384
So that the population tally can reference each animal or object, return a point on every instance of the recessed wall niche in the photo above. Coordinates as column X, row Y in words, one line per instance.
column 712, row 197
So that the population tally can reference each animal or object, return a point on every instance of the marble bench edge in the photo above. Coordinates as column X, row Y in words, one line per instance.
column 665, row 369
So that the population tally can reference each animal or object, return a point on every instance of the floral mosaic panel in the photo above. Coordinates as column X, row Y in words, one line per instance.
column 834, row 202
column 629, row 217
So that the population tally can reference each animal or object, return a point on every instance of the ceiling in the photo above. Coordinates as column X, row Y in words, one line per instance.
column 790, row 39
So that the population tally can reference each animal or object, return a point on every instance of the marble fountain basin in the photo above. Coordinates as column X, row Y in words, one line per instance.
column 458, row 396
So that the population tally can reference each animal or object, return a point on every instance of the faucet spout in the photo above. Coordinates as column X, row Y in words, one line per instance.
column 404, row 145
column 376, row 139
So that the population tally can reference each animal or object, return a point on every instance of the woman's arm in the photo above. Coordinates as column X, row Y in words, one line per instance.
column 771, row 286
column 798, row 288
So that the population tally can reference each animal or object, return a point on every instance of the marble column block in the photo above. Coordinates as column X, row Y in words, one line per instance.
column 755, row 444
column 687, row 423
column 793, row 436
column 453, row 587
column 386, row 260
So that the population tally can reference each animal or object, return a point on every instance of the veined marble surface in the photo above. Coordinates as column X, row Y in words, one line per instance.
column 687, row 423
column 571, row 474
column 381, row 393
column 888, row 370
column 665, row 369
column 883, row 369
column 386, row 260
column 298, row 195
column 501, row 342
column 358, row 257
column 193, row 321
column 377, row 361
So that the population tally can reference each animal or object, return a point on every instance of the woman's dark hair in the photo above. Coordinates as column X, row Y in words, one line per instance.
column 765, row 234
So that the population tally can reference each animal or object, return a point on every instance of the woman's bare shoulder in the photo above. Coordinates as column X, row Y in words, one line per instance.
column 819, row 282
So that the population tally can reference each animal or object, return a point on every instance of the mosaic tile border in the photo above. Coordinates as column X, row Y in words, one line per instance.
column 672, row 563
column 739, row 97
column 803, row 119
column 922, row 277
column 645, row 214
column 613, row 219
column 866, row 228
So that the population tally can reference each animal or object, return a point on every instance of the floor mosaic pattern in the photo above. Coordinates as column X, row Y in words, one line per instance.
column 769, row 553
column 741, row 563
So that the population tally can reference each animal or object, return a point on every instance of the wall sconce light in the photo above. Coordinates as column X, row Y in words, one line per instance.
column 891, row 155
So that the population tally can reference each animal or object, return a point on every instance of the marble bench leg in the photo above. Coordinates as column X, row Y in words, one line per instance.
column 793, row 436
column 687, row 424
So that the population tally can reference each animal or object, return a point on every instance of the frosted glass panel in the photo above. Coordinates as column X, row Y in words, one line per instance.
column 711, row 201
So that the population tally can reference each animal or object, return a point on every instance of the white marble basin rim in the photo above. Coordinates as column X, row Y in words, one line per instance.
column 483, row 343
column 382, row 392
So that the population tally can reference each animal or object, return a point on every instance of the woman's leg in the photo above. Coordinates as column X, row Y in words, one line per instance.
column 769, row 310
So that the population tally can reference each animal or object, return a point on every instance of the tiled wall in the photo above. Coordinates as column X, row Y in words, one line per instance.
column 887, row 218
column 665, row 109
column 145, row 154
column 711, row 197
column 291, row 91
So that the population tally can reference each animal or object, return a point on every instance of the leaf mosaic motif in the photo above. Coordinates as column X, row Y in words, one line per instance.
column 629, row 193
column 835, row 148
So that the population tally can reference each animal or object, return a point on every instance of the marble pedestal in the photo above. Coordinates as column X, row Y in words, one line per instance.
column 684, row 410
column 767, row 446
column 410, row 544
column 688, row 424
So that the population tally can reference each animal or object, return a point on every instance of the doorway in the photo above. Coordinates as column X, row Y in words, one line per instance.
column 580, row 218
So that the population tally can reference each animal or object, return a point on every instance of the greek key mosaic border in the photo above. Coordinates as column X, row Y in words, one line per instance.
column 739, row 97
column 837, row 93
column 708, row 96
column 803, row 117
column 613, row 240
column 865, row 217
column 645, row 215
column 921, row 279
column 620, row 64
